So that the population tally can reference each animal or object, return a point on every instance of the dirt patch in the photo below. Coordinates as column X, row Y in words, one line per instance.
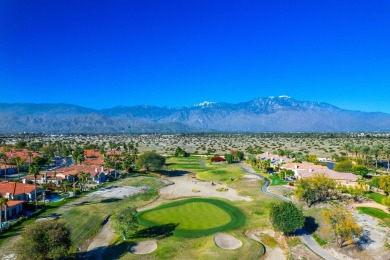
column 272, row 253
column 144, row 247
column 120, row 192
column 302, row 252
column 226, row 241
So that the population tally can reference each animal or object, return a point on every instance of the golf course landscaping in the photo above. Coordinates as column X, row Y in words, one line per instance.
column 194, row 217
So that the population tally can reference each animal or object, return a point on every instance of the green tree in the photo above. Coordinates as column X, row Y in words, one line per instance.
column 286, row 217
column 317, row 188
column 312, row 158
column 18, row 162
column 179, row 151
column 78, row 155
column 44, row 240
column 360, row 170
column 343, row 166
column 125, row 221
column 386, row 201
column 34, row 171
column 229, row 158
column 384, row 183
column 344, row 227
column 265, row 164
column 238, row 155
column 374, row 182
column 305, row 192
column 150, row 161
column 20, row 144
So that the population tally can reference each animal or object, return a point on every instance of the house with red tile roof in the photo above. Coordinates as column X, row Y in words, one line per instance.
column 98, row 174
column 306, row 170
column 19, row 191
column 12, row 209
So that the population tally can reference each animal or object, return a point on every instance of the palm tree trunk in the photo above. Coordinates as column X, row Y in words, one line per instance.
column 35, row 191
column 1, row 216
column 5, row 210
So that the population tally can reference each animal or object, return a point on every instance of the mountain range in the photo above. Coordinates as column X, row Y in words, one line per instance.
column 267, row 114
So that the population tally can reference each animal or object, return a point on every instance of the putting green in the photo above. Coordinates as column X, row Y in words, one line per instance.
column 195, row 217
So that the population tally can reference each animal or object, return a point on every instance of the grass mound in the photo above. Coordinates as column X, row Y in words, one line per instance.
column 195, row 217
column 376, row 213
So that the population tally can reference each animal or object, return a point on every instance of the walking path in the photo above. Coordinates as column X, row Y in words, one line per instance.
column 306, row 238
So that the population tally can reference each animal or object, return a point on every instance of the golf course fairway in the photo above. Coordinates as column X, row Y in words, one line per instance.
column 195, row 217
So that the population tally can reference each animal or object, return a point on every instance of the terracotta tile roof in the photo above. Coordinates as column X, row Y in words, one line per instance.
column 12, row 203
column 303, row 166
column 22, row 153
column 72, row 170
column 340, row 176
column 16, row 188
column 92, row 153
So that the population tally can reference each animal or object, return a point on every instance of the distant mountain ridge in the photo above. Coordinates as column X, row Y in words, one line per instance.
column 266, row 114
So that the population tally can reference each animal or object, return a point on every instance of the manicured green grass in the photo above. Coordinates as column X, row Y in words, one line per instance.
column 195, row 217
column 376, row 213
column 275, row 180
column 212, row 172
column 376, row 197
column 319, row 240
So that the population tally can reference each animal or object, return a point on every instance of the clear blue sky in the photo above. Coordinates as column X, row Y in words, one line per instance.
column 107, row 53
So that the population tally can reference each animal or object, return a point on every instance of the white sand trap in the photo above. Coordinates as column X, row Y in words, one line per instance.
column 226, row 241
column 144, row 247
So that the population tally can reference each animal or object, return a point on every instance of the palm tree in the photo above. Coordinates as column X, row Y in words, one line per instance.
column 3, row 201
column 376, row 151
column 55, row 176
column 386, row 152
column 347, row 148
column 365, row 150
column 83, row 176
column 18, row 162
column 34, row 170
column 4, row 159
column 30, row 155
column 362, row 182
column 44, row 188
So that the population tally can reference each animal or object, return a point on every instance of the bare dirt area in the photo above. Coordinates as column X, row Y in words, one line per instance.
column 302, row 252
column 272, row 252
column 118, row 192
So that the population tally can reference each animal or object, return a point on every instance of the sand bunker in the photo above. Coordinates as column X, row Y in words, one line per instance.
column 119, row 192
column 226, row 241
column 144, row 247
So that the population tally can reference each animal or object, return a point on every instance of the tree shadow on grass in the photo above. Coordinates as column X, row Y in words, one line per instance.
column 310, row 225
column 175, row 173
column 110, row 200
column 160, row 231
